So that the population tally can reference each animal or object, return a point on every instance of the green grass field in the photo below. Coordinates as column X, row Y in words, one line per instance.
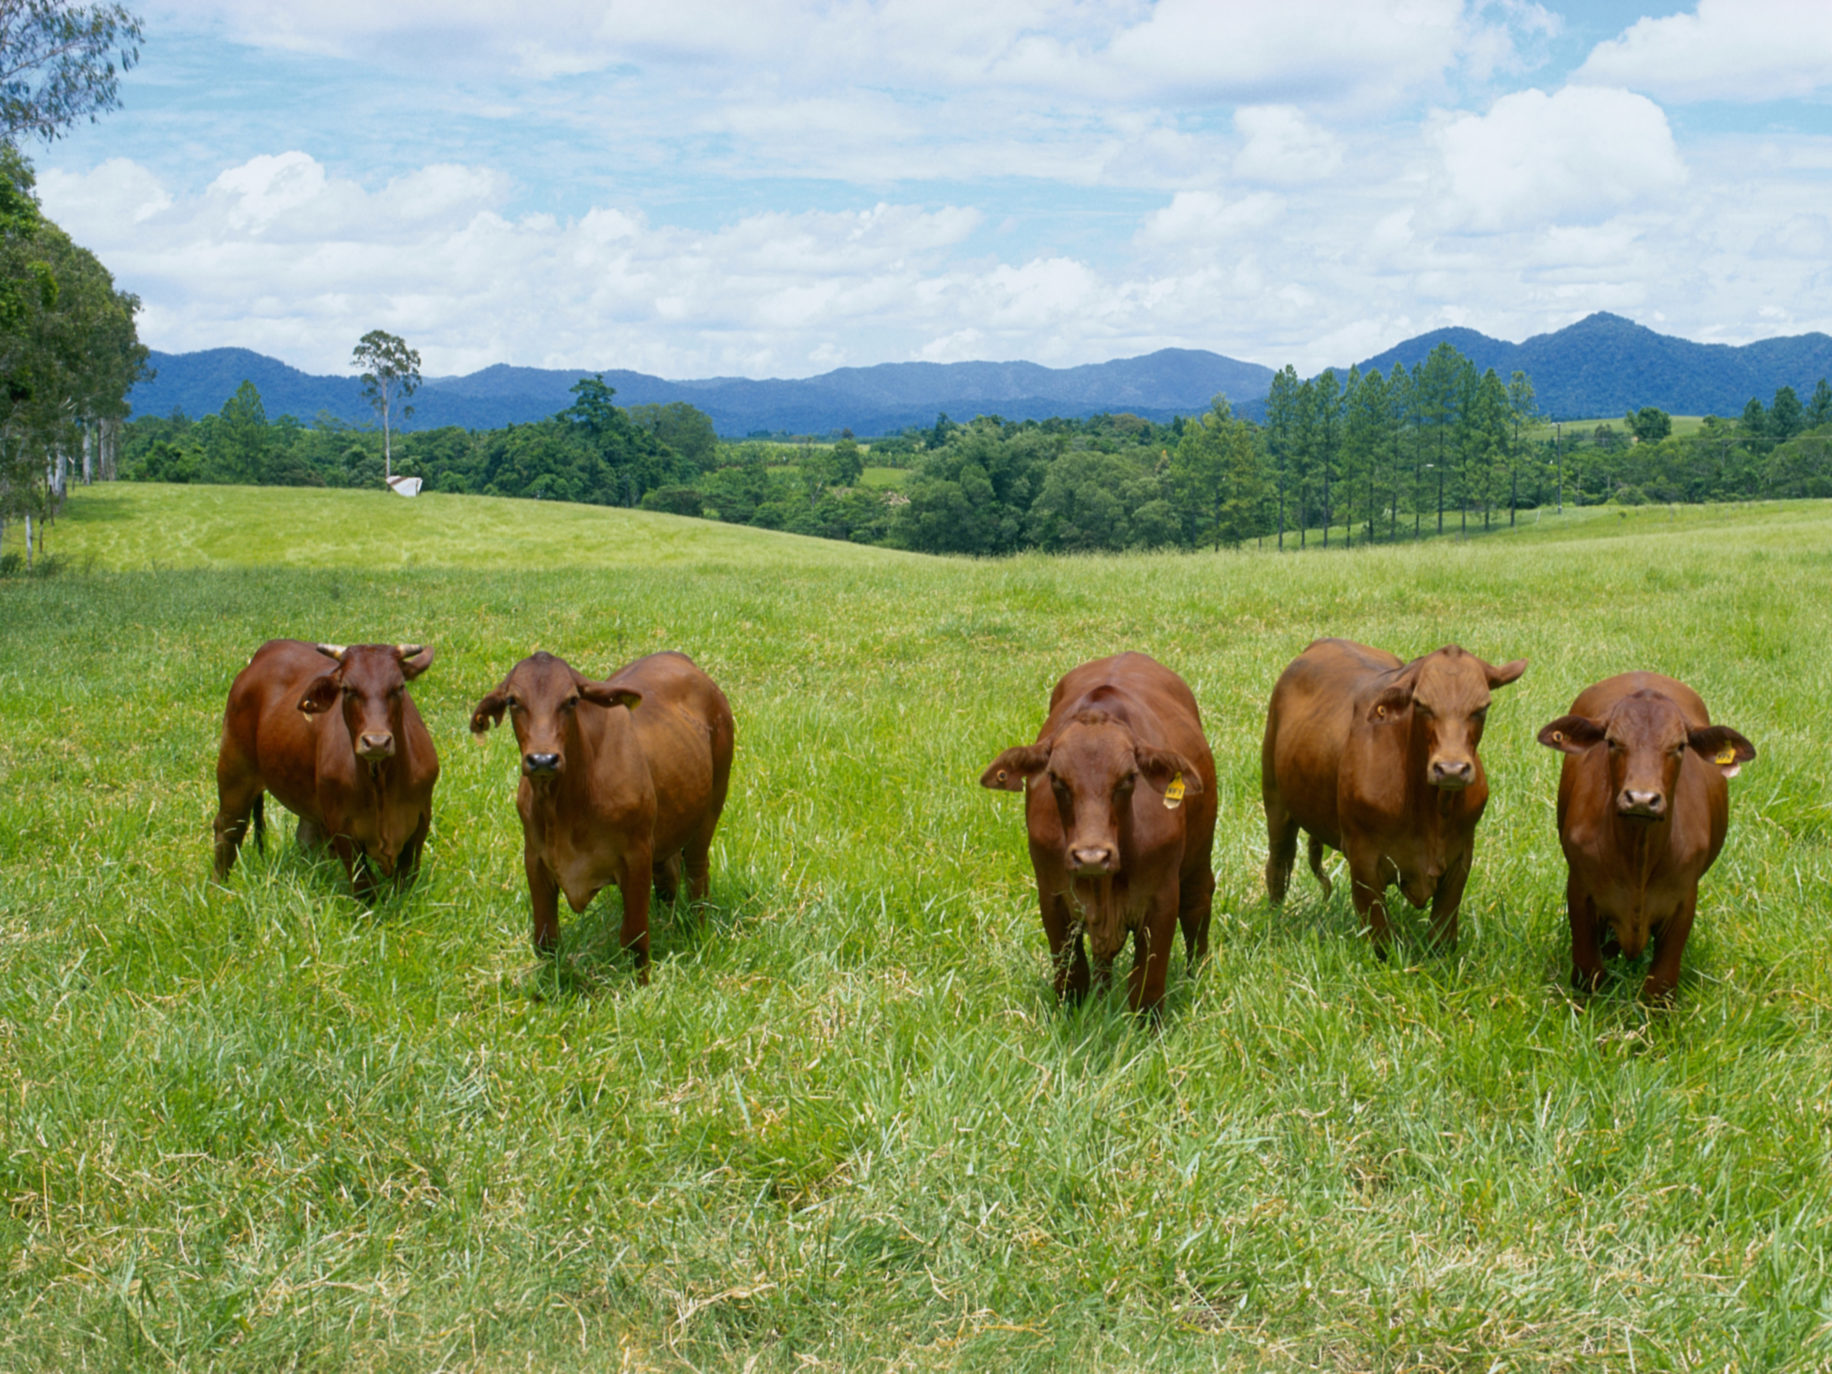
column 262, row 1127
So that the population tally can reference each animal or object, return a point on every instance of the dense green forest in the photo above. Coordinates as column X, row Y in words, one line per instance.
column 1340, row 460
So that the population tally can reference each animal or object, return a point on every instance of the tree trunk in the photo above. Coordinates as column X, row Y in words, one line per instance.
column 28, row 541
column 89, row 435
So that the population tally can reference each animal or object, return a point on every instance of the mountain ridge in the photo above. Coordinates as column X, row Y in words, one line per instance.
column 1602, row 365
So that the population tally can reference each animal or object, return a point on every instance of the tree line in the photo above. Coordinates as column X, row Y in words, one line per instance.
column 68, row 347
column 1339, row 461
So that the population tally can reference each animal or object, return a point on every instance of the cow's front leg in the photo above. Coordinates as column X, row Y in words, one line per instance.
column 1446, row 900
column 543, row 902
column 1151, row 944
column 1586, row 961
column 1067, row 956
column 1369, row 889
column 634, row 881
column 1669, row 944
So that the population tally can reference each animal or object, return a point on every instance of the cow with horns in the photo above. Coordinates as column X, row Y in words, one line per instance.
column 340, row 745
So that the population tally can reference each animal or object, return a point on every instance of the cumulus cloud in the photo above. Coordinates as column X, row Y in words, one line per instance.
column 1284, row 147
column 1744, row 50
column 1583, row 153
column 1206, row 218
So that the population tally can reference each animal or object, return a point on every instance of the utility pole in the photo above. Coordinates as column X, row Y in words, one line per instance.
column 1558, row 449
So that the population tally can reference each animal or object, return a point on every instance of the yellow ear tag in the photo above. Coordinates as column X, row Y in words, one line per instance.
column 1726, row 756
column 1173, row 795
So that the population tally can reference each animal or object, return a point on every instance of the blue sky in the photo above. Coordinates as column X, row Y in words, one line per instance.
column 778, row 188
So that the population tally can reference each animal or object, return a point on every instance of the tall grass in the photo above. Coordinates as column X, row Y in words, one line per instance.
column 263, row 1126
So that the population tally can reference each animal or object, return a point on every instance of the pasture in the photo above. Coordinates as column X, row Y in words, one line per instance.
column 262, row 1126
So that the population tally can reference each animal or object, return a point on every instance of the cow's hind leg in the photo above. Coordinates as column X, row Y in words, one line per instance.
column 238, row 799
column 310, row 836
column 696, row 857
column 1195, row 907
column 407, row 867
column 667, row 876
column 1282, row 849
column 1316, row 865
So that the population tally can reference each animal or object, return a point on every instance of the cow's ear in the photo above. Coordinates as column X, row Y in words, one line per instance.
column 490, row 710
column 1390, row 704
column 1571, row 734
column 1506, row 673
column 1723, row 746
column 603, row 694
column 321, row 694
column 1010, row 771
column 1161, row 767
column 415, row 659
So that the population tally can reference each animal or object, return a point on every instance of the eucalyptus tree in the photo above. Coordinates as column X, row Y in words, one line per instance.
column 60, row 62
column 391, row 374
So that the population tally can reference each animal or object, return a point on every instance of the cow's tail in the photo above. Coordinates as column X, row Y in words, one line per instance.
column 260, row 822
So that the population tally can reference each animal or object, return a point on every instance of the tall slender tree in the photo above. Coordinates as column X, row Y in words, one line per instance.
column 1282, row 407
column 391, row 374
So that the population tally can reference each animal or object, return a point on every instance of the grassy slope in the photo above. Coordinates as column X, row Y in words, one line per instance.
column 260, row 1127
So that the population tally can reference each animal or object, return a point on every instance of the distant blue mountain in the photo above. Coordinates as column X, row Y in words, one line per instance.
column 867, row 400
column 1601, row 366
column 1605, row 365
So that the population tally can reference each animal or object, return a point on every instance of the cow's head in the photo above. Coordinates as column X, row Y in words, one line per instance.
column 542, row 695
column 1092, row 766
column 1646, row 737
column 370, row 680
column 1444, row 699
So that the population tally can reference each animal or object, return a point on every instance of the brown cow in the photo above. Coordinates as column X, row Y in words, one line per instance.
column 621, row 781
column 359, row 777
column 1377, row 758
column 1640, row 819
column 1111, row 857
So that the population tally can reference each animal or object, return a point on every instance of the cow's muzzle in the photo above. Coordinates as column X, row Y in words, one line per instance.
column 1641, row 806
column 540, row 765
column 373, row 748
column 1452, row 775
column 1093, row 861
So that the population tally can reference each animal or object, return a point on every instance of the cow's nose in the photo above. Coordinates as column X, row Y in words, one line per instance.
column 379, row 745
column 1093, row 858
column 1649, row 804
column 1452, row 774
column 540, row 763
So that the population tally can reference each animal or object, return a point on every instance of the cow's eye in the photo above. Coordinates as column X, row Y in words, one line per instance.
column 1480, row 716
column 515, row 703
column 569, row 703
column 1422, row 709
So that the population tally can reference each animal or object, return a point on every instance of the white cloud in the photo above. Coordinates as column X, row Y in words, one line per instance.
column 1583, row 153
column 1283, row 147
column 1204, row 219
column 1093, row 50
column 1744, row 50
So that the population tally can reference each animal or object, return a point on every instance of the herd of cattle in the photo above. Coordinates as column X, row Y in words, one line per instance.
column 623, row 781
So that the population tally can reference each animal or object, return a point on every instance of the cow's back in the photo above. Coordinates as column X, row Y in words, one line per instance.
column 1307, row 729
column 265, row 732
column 684, row 725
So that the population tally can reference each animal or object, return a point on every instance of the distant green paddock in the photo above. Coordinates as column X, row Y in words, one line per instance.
column 1683, row 425
column 884, row 477
column 261, row 1127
